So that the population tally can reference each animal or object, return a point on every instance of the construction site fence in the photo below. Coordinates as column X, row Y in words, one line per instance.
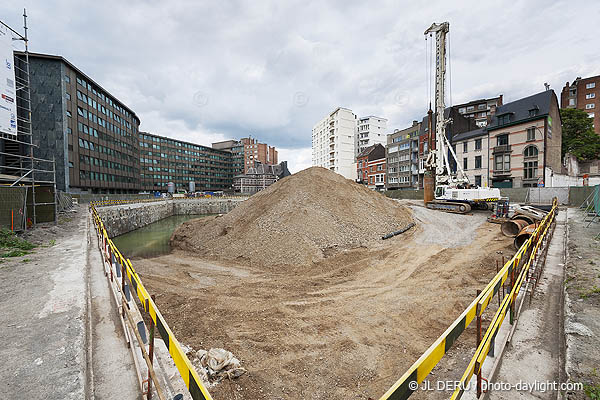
column 131, row 282
column 13, row 207
column 516, row 270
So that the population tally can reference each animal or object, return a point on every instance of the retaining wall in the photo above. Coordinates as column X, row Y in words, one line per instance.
column 120, row 219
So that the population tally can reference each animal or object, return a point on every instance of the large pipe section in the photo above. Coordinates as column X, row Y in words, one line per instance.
column 523, row 235
column 512, row 228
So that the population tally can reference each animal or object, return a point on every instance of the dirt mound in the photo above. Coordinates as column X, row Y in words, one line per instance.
column 299, row 220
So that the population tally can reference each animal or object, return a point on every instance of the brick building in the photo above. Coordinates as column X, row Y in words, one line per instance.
column 371, row 167
column 583, row 94
column 255, row 151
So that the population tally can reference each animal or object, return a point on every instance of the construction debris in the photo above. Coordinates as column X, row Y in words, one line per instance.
column 216, row 364
column 299, row 220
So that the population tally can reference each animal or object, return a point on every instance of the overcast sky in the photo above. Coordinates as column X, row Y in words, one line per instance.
column 204, row 71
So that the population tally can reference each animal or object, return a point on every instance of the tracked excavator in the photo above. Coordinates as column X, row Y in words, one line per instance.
column 453, row 191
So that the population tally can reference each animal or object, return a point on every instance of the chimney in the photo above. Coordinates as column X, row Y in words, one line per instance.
column 414, row 123
column 492, row 112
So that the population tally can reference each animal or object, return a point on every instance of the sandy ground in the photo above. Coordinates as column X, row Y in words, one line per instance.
column 347, row 327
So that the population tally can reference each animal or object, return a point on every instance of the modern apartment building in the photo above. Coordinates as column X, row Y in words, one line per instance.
column 255, row 151
column 369, row 131
column 472, row 152
column 525, row 137
column 583, row 94
column 479, row 110
column 333, row 142
column 164, row 160
column 90, row 133
column 402, row 157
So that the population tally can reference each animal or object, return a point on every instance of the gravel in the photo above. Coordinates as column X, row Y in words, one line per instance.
column 300, row 220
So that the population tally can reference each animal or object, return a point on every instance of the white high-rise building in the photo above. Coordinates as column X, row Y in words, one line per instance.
column 369, row 131
column 334, row 142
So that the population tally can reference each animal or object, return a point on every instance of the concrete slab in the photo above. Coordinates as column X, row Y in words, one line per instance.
column 43, row 318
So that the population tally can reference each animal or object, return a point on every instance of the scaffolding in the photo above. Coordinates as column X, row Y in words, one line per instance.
column 18, row 165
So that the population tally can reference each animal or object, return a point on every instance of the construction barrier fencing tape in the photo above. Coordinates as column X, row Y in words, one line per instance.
column 183, row 364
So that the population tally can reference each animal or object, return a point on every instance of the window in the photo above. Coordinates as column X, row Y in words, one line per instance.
column 530, row 151
column 477, row 144
column 465, row 147
column 590, row 85
column 380, row 167
column 481, row 106
column 533, row 112
column 590, row 95
column 477, row 161
column 502, row 140
column 591, row 115
column 503, row 119
column 470, row 108
column 590, row 106
column 465, row 163
column 530, row 134
column 68, row 96
column 67, row 79
column 530, row 169
column 478, row 180
column 571, row 102
column 69, row 114
column 461, row 110
column 502, row 162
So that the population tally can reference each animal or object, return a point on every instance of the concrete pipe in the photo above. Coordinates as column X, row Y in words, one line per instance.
column 523, row 235
column 512, row 228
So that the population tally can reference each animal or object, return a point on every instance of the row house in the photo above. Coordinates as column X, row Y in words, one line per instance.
column 371, row 167
column 520, row 141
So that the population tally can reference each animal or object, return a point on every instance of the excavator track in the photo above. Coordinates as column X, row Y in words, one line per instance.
column 449, row 206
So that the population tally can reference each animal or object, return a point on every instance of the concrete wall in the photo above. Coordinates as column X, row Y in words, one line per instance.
column 125, row 218
column 84, row 198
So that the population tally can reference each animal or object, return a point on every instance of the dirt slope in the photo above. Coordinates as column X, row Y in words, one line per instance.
column 298, row 221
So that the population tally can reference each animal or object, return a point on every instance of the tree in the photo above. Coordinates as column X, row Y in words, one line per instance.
column 578, row 136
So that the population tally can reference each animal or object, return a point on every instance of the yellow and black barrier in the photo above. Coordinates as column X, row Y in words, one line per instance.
column 193, row 382
column 533, row 243
column 415, row 375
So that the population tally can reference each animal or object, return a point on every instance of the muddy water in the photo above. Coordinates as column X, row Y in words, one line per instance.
column 151, row 240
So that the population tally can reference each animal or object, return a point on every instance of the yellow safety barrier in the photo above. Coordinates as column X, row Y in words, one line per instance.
column 193, row 382
column 415, row 375
column 534, row 242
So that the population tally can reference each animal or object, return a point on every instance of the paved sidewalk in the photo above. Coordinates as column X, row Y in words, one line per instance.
column 43, row 317
column 534, row 353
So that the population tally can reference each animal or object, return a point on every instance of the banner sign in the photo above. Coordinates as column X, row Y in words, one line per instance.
column 8, row 100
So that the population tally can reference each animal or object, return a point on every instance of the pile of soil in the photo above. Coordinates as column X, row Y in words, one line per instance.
column 297, row 221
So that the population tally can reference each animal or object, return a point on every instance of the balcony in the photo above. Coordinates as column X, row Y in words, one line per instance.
column 501, row 172
column 503, row 148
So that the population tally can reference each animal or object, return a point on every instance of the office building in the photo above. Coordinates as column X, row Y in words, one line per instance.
column 333, row 142
column 583, row 94
column 164, row 160
column 90, row 133
column 236, row 147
